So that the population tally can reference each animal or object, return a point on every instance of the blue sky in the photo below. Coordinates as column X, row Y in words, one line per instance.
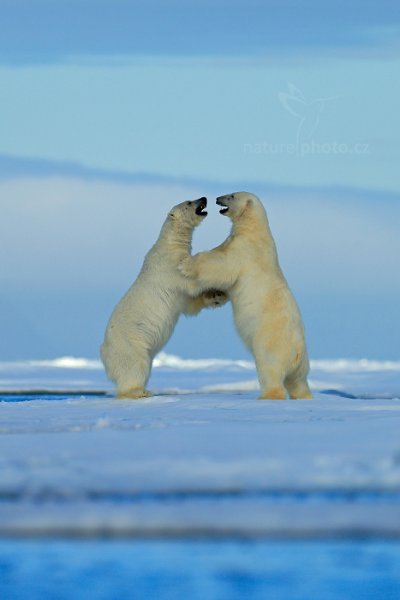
column 53, row 30
column 113, row 111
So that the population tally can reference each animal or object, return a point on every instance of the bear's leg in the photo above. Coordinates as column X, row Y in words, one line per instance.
column 133, row 377
column 276, row 392
column 133, row 393
column 298, row 389
column 270, row 378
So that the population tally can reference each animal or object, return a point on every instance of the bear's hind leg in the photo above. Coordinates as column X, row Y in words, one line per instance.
column 270, row 378
column 132, row 378
column 133, row 393
column 273, row 393
column 298, row 389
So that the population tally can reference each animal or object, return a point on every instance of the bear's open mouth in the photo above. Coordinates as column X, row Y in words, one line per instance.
column 201, row 205
column 225, row 208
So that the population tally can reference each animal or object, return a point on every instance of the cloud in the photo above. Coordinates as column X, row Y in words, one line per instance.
column 47, row 31
column 339, row 246
column 71, row 245
column 71, row 231
column 22, row 167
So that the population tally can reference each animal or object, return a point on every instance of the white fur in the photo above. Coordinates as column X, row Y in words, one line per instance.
column 145, row 318
column 266, row 315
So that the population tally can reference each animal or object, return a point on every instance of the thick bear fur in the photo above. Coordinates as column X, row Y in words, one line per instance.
column 266, row 315
column 144, row 319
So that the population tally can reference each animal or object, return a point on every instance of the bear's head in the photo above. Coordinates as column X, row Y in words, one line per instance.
column 189, row 213
column 238, row 204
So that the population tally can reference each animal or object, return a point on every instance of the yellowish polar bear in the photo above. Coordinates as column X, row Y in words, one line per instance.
column 143, row 321
column 265, row 312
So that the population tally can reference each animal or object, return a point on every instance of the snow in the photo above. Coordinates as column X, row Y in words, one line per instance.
column 203, row 456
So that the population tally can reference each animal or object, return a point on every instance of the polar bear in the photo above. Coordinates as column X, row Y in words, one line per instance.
column 266, row 315
column 143, row 321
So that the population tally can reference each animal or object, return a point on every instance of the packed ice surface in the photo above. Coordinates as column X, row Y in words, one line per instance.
column 201, row 456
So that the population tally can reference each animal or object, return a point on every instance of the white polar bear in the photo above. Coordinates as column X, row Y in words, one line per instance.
column 265, row 312
column 143, row 321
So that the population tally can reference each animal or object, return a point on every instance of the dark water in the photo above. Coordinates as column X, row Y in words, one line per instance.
column 199, row 570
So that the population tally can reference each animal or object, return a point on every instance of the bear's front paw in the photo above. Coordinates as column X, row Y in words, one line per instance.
column 187, row 267
column 214, row 298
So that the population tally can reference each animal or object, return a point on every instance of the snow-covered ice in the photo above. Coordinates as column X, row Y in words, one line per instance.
column 203, row 456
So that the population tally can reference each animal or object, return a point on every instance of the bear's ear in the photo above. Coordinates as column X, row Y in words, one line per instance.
column 247, row 206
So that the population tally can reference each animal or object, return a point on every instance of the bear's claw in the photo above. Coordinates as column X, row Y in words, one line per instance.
column 215, row 297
